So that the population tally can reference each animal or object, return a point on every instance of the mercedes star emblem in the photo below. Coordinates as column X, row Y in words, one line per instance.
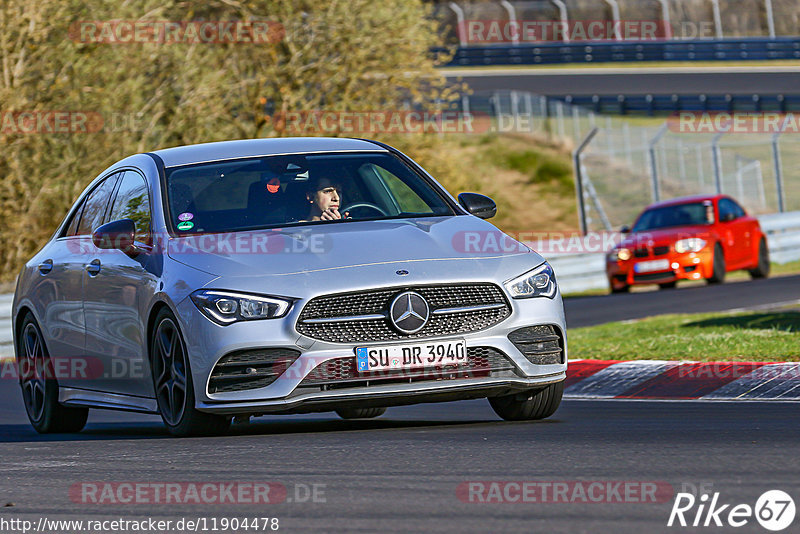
column 409, row 312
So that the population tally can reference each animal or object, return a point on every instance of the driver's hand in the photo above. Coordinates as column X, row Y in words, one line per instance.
column 330, row 214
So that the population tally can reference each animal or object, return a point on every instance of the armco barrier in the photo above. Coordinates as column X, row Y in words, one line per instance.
column 753, row 48
column 586, row 271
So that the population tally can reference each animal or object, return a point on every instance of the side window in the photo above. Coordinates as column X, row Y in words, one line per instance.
column 94, row 208
column 133, row 202
column 728, row 207
column 72, row 227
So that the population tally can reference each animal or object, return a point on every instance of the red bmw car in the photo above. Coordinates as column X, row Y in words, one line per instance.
column 689, row 238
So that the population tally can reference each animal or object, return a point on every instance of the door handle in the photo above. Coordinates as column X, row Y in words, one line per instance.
column 93, row 268
column 46, row 266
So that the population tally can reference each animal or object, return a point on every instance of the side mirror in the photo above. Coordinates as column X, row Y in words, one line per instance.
column 728, row 217
column 116, row 235
column 478, row 205
column 625, row 229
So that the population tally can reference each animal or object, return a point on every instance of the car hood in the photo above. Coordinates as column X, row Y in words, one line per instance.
column 664, row 235
column 313, row 248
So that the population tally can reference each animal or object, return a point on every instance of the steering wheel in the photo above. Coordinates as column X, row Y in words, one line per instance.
column 368, row 205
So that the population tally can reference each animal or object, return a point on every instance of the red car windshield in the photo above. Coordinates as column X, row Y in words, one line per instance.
column 692, row 214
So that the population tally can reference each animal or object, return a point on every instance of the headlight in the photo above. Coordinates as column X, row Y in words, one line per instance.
column 620, row 254
column 693, row 244
column 540, row 282
column 224, row 307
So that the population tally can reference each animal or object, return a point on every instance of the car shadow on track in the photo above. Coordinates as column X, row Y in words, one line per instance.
column 22, row 433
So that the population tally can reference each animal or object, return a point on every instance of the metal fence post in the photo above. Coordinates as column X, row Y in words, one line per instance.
column 651, row 153
column 512, row 19
column 776, row 162
column 770, row 18
column 563, row 18
column 462, row 29
column 717, row 18
column 716, row 158
column 576, row 161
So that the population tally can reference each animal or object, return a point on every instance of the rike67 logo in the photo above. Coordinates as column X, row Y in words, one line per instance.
column 774, row 510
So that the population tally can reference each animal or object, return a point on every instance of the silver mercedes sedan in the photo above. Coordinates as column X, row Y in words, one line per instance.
column 243, row 278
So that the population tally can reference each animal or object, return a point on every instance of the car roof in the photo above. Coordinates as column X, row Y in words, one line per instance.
column 684, row 200
column 207, row 152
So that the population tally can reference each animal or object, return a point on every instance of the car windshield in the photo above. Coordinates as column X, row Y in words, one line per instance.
column 275, row 191
column 692, row 214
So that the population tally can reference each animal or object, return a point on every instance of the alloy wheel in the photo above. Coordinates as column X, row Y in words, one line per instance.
column 32, row 371
column 170, row 371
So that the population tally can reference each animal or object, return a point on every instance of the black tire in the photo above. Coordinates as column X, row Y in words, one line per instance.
column 535, row 404
column 668, row 285
column 762, row 269
column 623, row 289
column 360, row 413
column 172, row 381
column 40, row 386
column 718, row 275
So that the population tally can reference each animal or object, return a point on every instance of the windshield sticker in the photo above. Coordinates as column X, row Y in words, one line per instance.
column 185, row 216
column 185, row 225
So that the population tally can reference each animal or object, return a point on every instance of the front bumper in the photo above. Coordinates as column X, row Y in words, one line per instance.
column 682, row 266
column 209, row 342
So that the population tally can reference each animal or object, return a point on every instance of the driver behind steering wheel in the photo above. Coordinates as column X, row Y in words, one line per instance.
column 324, row 196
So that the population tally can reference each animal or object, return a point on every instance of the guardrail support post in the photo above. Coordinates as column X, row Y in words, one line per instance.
column 576, row 161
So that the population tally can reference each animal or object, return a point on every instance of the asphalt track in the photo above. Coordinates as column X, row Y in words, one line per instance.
column 751, row 294
column 400, row 473
column 634, row 81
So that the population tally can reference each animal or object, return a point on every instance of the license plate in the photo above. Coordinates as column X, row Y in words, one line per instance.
column 416, row 356
column 651, row 266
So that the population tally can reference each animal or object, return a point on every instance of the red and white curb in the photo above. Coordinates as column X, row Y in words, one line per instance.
column 651, row 379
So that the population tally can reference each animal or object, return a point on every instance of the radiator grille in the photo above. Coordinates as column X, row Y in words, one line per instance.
column 376, row 303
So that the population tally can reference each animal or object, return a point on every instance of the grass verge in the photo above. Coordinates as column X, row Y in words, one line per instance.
column 743, row 336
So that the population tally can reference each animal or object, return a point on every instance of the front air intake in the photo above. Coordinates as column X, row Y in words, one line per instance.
column 250, row 369
column 541, row 345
